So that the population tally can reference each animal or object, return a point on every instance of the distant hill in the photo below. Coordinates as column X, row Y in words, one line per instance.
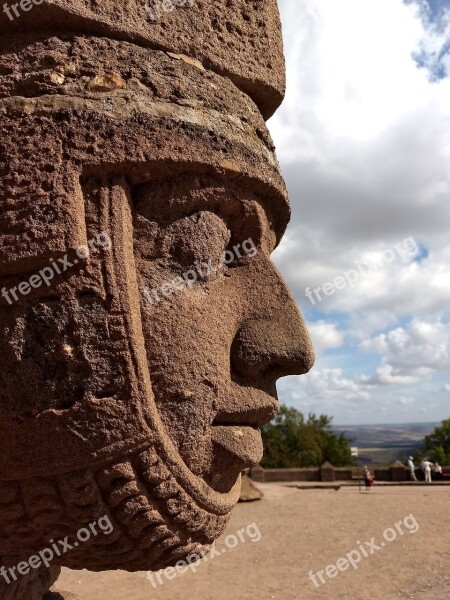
column 383, row 444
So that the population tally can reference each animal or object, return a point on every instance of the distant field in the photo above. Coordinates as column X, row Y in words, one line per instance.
column 383, row 456
column 384, row 444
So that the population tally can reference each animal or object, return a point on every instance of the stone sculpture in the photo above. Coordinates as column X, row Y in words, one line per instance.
column 142, row 324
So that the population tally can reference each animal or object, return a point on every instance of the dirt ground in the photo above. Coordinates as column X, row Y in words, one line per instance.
column 304, row 530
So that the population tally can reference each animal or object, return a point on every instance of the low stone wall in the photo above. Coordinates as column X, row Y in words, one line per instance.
column 395, row 473
column 269, row 475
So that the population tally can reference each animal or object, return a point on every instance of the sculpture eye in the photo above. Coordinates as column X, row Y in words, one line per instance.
column 201, row 238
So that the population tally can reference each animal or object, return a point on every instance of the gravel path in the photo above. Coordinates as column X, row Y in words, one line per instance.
column 304, row 530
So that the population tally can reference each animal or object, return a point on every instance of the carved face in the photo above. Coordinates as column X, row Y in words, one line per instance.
column 220, row 326
column 167, row 347
column 133, row 383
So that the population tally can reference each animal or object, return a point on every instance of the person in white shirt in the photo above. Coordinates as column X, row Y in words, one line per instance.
column 426, row 465
column 412, row 468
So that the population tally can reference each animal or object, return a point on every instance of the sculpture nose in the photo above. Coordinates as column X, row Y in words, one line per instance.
column 280, row 345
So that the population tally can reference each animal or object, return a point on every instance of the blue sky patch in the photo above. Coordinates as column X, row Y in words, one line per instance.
column 436, row 18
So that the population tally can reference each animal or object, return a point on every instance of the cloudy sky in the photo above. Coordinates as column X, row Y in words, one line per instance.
column 363, row 138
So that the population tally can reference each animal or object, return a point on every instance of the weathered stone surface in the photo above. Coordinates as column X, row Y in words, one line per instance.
column 130, row 163
column 240, row 39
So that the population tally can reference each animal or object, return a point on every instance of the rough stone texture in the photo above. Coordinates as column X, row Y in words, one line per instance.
column 112, row 403
column 239, row 39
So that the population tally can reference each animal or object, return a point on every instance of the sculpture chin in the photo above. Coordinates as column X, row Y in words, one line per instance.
column 236, row 448
column 156, row 519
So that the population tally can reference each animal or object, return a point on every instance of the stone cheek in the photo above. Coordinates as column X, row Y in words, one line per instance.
column 57, row 355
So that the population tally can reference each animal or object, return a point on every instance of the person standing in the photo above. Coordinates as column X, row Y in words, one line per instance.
column 437, row 469
column 412, row 468
column 368, row 479
column 427, row 470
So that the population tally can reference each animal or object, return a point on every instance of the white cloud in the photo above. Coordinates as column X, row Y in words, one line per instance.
column 411, row 353
column 387, row 375
column 330, row 384
column 325, row 335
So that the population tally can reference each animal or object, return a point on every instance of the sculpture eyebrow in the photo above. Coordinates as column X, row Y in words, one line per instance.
column 204, row 192
column 235, row 211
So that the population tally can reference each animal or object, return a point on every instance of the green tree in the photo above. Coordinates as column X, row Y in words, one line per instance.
column 437, row 444
column 291, row 440
column 418, row 456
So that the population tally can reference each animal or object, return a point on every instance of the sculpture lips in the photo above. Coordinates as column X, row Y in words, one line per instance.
column 242, row 442
column 235, row 434
column 255, row 410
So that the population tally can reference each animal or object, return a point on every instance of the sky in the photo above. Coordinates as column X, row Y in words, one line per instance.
column 363, row 139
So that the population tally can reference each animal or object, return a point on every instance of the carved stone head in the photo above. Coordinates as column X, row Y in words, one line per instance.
column 142, row 323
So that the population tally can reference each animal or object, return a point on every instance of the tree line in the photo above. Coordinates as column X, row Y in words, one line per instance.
column 436, row 446
column 292, row 440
